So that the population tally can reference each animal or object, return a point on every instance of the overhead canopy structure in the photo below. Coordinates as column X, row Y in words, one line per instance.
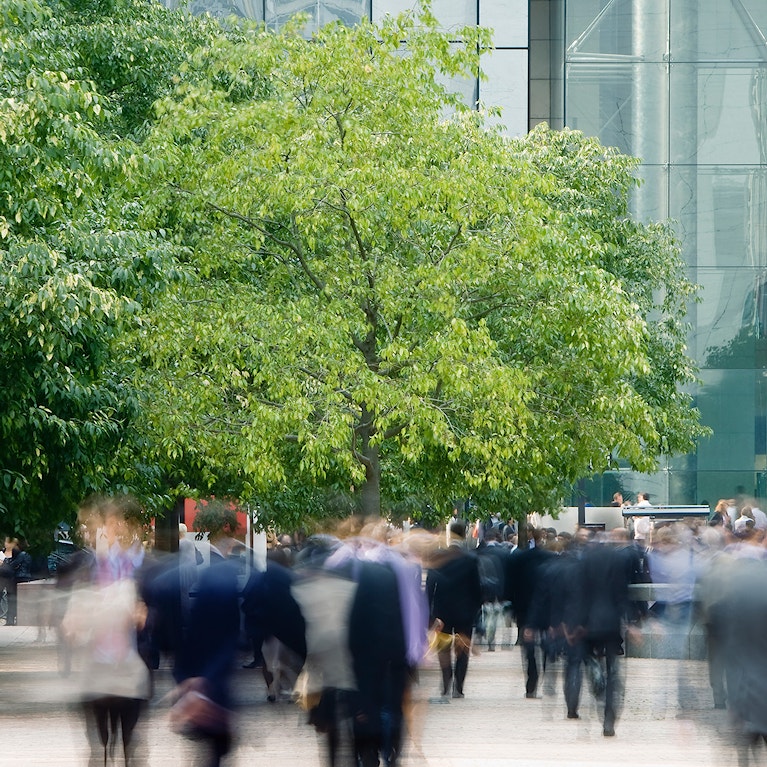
column 667, row 512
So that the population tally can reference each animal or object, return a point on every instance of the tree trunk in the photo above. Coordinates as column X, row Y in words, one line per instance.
column 166, row 528
column 370, row 492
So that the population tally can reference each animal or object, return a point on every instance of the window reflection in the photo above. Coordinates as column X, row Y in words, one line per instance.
column 712, row 29
column 683, row 85
column 245, row 9
column 349, row 12
column 614, row 29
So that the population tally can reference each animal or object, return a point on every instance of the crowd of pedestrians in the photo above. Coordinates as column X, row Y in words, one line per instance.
column 341, row 624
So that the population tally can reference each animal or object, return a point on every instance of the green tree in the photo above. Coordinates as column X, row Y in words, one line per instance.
column 77, row 80
column 389, row 295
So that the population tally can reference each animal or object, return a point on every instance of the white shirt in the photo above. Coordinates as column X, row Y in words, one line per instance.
column 760, row 518
column 642, row 528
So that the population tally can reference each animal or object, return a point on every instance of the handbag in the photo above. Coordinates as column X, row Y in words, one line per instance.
column 194, row 714
column 439, row 641
column 304, row 693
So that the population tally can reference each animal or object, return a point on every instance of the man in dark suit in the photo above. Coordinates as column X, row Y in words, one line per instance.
column 491, row 557
column 203, row 635
column 523, row 576
column 455, row 597
column 599, row 612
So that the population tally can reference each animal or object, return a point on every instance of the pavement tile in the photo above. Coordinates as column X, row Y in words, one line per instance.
column 493, row 726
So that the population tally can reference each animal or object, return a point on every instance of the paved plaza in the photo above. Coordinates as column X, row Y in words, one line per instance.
column 493, row 726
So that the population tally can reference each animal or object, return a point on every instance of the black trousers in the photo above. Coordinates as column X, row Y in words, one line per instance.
column 107, row 716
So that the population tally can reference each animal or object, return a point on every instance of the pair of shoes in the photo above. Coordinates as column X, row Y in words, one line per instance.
column 608, row 731
column 252, row 664
column 573, row 715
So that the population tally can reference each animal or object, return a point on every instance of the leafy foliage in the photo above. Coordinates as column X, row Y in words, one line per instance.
column 75, row 269
column 217, row 517
column 301, row 273
column 395, row 300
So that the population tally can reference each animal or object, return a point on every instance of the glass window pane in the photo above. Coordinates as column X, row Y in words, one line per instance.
column 465, row 87
column 349, row 12
column 455, row 13
column 221, row 9
column 450, row 13
column 599, row 490
column 730, row 324
column 683, row 489
column 710, row 486
column 650, row 201
column 727, row 400
column 622, row 104
column 721, row 214
column 712, row 29
column 251, row 9
column 718, row 114
column 617, row 29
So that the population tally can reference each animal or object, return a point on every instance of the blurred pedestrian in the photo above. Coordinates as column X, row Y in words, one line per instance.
column 205, row 643
column 491, row 559
column 739, row 620
column 523, row 574
column 8, row 581
column 327, row 685
column 274, row 627
column 600, row 612
column 454, row 591
column 101, row 623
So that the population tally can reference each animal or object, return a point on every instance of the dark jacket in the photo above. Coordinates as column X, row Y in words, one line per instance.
column 269, row 609
column 454, row 590
column 492, row 571
column 523, row 574
column 602, row 604
column 21, row 563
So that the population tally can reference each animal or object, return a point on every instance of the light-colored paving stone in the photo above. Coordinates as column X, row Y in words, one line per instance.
column 494, row 726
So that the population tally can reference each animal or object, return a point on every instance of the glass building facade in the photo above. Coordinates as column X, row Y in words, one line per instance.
column 681, row 84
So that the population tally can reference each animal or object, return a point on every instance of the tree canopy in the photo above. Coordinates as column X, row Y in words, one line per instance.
column 388, row 294
column 77, row 79
column 248, row 264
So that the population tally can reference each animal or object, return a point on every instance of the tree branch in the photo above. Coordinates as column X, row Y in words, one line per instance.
column 488, row 311
column 292, row 246
column 393, row 431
